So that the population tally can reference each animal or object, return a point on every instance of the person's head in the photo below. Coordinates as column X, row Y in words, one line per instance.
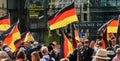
column 3, row 55
column 118, row 51
column 100, row 43
column 21, row 48
column 79, row 45
column 101, row 55
column 86, row 42
column 4, row 46
column 35, row 43
column 44, row 50
column 64, row 59
column 35, row 56
column 117, row 46
column 27, row 44
column 54, row 44
column 50, row 48
column 21, row 54
column 8, row 50
column 113, row 41
column 92, row 43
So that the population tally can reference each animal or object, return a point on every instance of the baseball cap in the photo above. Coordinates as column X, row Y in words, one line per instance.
column 7, row 49
column 35, row 42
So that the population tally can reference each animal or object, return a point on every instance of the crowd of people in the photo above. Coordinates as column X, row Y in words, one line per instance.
column 31, row 51
column 85, row 51
column 94, row 51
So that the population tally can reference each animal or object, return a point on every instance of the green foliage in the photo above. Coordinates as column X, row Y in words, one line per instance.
column 51, row 37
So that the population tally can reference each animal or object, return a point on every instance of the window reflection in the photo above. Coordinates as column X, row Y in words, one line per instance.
column 111, row 2
column 118, row 2
column 105, row 3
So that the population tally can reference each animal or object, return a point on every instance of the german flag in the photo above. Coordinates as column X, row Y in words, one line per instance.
column 107, row 28
column 25, row 37
column 104, row 39
column 66, row 47
column 102, row 31
column 103, row 44
column 4, row 23
column 103, row 28
column 28, row 37
column 12, row 36
column 112, row 27
column 63, row 17
column 18, row 42
column 76, row 37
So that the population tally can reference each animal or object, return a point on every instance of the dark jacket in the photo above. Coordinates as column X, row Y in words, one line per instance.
column 85, row 53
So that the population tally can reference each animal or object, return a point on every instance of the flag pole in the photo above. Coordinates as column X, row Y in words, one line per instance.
column 61, row 43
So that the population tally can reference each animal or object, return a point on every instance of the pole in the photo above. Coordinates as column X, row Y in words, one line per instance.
column 45, row 17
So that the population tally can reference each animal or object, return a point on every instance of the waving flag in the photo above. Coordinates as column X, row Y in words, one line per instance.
column 104, row 39
column 12, row 34
column 108, row 29
column 76, row 37
column 63, row 17
column 113, row 26
column 66, row 47
column 25, row 37
column 4, row 23
column 28, row 37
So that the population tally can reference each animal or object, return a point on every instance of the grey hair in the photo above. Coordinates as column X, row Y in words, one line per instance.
column 3, row 54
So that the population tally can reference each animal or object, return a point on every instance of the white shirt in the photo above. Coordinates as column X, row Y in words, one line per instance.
column 46, row 57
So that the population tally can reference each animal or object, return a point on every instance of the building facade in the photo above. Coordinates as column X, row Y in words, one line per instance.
column 33, row 15
column 91, row 13
column 3, row 8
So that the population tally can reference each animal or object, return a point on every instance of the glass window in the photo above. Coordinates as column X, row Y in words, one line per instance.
column 92, row 2
column 35, row 35
column 33, row 25
column 70, row 0
column 112, row 2
column 85, row 7
column 103, row 3
column 85, row 17
column 52, row 4
column 118, row 2
column 60, row 5
column 79, row 17
column 78, row 4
